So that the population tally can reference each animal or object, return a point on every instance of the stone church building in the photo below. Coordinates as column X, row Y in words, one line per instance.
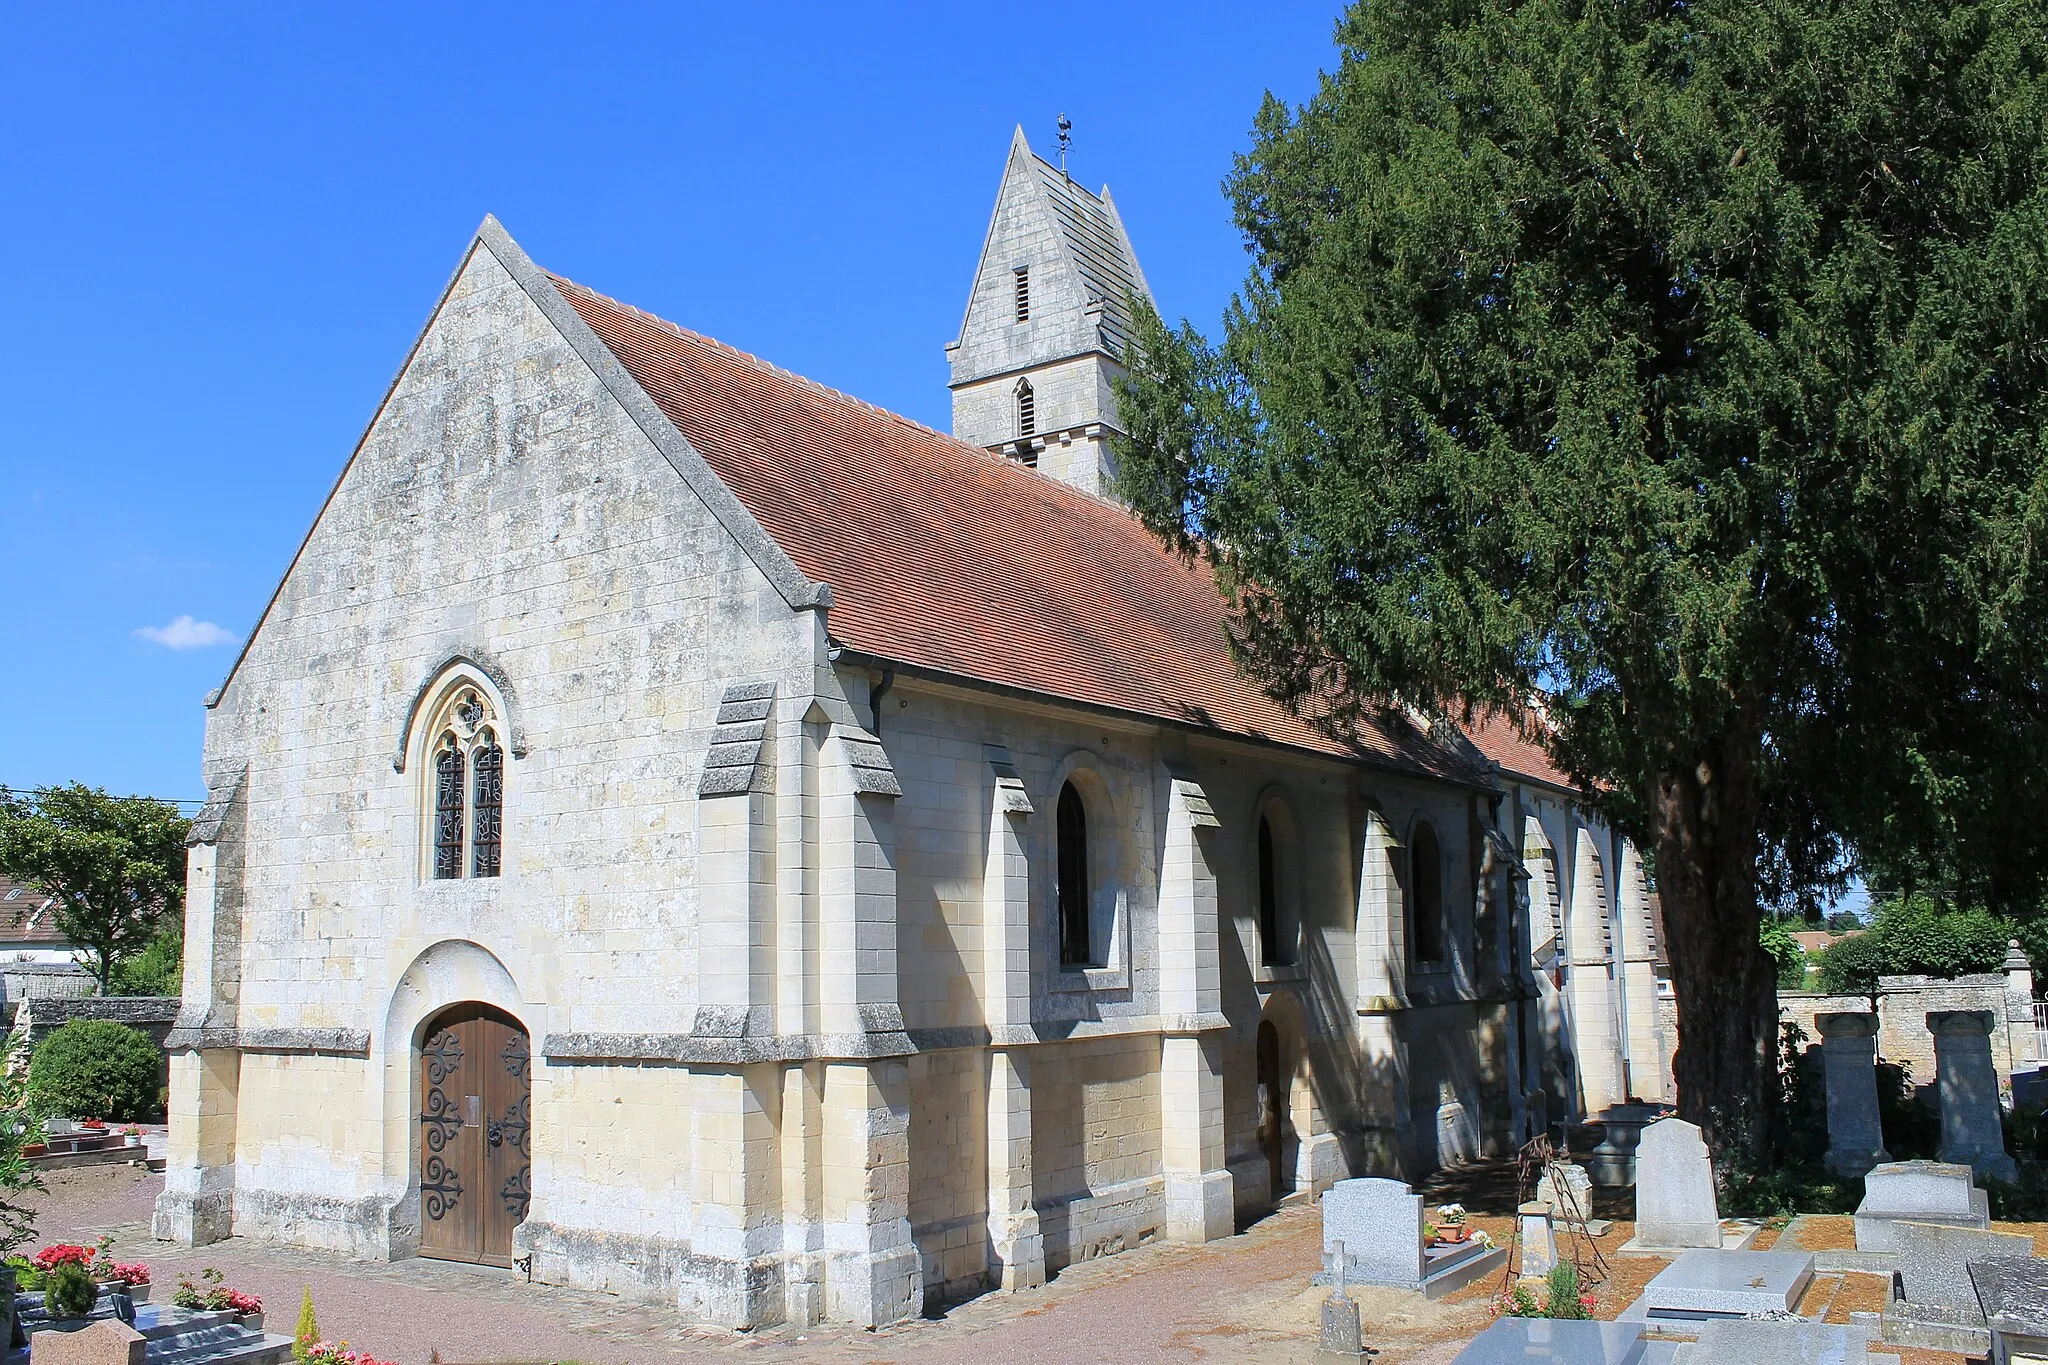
column 696, row 835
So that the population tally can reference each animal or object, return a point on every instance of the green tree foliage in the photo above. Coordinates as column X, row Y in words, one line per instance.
column 1843, row 921
column 158, row 969
column 1775, row 935
column 1678, row 366
column 96, row 1068
column 20, row 1122
column 1915, row 937
column 116, row 866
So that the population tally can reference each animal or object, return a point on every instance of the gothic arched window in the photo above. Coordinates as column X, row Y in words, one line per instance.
column 1072, row 834
column 1269, row 897
column 1425, row 895
column 466, row 783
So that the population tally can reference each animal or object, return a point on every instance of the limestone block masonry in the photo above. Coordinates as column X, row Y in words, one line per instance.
column 543, row 731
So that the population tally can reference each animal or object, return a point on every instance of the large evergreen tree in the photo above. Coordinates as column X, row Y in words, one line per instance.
column 1679, row 367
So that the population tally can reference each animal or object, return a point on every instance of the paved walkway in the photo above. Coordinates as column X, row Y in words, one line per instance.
column 1243, row 1299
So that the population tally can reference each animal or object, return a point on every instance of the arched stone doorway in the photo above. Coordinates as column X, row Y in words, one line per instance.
column 1273, row 1109
column 475, row 1149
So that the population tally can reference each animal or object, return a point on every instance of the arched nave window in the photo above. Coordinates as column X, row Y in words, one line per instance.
column 1425, row 895
column 1074, row 890
column 466, row 787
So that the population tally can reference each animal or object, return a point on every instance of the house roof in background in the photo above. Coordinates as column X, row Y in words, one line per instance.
column 25, row 915
column 948, row 559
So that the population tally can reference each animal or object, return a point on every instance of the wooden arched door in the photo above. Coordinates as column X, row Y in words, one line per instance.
column 1273, row 1107
column 476, row 1150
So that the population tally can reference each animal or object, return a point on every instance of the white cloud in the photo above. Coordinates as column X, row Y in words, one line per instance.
column 186, row 633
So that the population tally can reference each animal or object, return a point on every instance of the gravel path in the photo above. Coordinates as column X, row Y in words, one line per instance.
column 1242, row 1299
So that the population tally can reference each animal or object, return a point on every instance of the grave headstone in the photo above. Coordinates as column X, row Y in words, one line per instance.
column 1917, row 1191
column 1537, row 1237
column 1675, row 1203
column 1849, row 1064
column 97, row 1343
column 1374, row 1228
column 2012, row 1293
column 1342, row 1339
column 1567, row 1189
column 1971, row 1133
column 1378, row 1224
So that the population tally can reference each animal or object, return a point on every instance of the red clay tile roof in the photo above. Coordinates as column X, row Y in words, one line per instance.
column 25, row 916
column 1494, row 735
column 946, row 558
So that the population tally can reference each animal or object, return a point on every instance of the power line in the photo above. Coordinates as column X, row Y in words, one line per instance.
column 178, row 801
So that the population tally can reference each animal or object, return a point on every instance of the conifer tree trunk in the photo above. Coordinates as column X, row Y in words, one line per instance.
column 1706, row 835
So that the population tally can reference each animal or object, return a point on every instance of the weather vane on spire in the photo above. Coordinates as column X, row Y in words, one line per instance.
column 1066, row 141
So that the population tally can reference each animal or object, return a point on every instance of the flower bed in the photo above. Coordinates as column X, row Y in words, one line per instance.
column 338, row 1353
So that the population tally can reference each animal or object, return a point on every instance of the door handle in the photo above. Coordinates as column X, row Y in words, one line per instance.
column 494, row 1132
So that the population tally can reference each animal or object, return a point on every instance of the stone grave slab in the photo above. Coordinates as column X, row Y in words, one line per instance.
column 1728, row 1284
column 1523, row 1341
column 1921, row 1192
column 1737, row 1342
column 1675, row 1203
column 1538, row 1239
column 2012, row 1292
column 1933, row 1260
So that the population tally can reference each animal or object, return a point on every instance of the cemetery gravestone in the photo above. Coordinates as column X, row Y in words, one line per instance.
column 1916, row 1191
column 1342, row 1338
column 100, row 1343
column 1971, row 1133
column 1538, row 1239
column 1849, row 1064
column 1729, row 1284
column 1675, row 1203
column 1374, row 1228
column 2012, row 1292
column 1572, row 1202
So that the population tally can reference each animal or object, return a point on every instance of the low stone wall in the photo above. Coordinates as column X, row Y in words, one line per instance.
column 1904, row 1002
column 38, row 1017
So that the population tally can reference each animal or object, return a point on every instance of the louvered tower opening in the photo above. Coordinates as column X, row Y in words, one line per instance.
column 1027, row 409
column 1023, row 276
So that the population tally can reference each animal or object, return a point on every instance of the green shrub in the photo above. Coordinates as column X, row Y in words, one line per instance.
column 159, row 969
column 1915, row 937
column 69, row 1291
column 1793, row 1177
column 1561, row 1299
column 96, row 1068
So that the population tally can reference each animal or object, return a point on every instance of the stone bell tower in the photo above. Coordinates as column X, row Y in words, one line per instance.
column 1047, row 325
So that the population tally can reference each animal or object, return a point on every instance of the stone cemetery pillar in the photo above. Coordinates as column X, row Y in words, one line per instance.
column 1381, row 947
column 1200, row 1195
column 1849, row 1058
column 1537, row 1235
column 1675, row 1202
column 1971, row 1134
column 736, row 1169
column 1016, row 1247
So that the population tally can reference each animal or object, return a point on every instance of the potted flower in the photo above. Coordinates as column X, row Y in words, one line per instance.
column 211, row 1294
column 338, row 1353
column 131, row 1137
column 132, row 1276
column 1451, row 1227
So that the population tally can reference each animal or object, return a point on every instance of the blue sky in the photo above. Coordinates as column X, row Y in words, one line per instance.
column 224, row 225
